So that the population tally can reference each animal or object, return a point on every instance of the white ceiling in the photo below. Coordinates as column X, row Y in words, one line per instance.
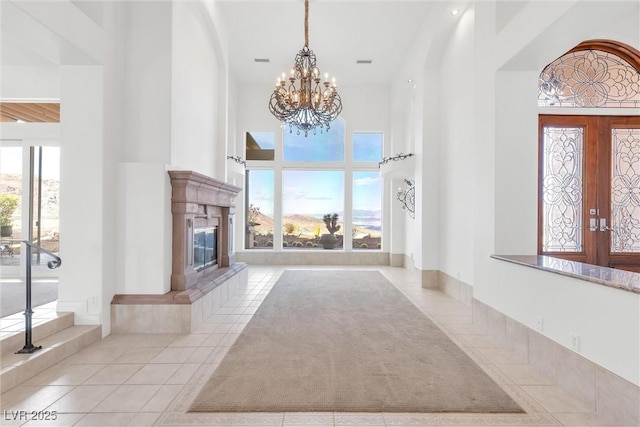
column 340, row 33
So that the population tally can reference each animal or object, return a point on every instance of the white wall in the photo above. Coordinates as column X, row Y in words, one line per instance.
column 196, row 86
column 416, row 95
column 457, row 141
column 516, row 182
column 145, row 74
column 144, row 229
column 29, row 82
column 111, row 15
column 81, row 193
column 175, row 113
column 606, row 319
column 147, row 54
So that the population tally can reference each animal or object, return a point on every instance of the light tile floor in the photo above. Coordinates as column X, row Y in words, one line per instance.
column 150, row 379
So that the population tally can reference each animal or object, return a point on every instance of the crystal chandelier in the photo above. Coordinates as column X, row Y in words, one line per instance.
column 302, row 100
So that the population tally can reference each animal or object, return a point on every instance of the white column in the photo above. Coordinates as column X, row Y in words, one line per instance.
column 144, row 229
column 81, row 193
column 143, row 194
column 484, row 188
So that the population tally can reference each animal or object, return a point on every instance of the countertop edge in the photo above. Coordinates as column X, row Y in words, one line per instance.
column 614, row 278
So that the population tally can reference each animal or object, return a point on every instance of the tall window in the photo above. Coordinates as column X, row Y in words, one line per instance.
column 307, row 196
column 310, row 178
column 260, row 203
column 367, row 191
column 589, row 209
column 367, row 214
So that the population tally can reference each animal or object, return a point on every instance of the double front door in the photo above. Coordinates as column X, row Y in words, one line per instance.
column 589, row 189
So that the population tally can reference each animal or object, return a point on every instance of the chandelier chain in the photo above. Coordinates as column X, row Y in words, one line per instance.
column 306, row 23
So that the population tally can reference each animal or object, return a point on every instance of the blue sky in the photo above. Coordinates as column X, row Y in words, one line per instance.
column 312, row 192
column 321, row 147
column 315, row 192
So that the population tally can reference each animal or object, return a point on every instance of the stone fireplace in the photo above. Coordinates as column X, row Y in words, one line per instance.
column 203, row 210
column 204, row 272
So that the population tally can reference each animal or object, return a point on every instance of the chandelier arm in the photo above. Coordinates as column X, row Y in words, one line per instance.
column 306, row 22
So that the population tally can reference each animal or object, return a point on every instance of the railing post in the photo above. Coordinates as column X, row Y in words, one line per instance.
column 28, row 313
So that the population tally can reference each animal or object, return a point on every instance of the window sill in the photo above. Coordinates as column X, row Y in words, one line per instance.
column 620, row 279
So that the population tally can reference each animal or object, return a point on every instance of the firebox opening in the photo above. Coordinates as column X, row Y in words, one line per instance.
column 205, row 247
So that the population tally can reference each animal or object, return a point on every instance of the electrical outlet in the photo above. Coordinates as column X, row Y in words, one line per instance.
column 574, row 342
column 539, row 323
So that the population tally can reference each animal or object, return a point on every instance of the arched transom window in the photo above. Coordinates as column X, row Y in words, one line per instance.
column 596, row 73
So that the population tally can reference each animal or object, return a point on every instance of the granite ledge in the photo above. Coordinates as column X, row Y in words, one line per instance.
column 614, row 278
column 188, row 296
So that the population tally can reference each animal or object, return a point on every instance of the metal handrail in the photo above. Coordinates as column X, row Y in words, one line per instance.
column 28, row 313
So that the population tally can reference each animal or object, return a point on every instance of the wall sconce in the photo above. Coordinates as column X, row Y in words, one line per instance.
column 399, row 156
column 408, row 197
column 239, row 160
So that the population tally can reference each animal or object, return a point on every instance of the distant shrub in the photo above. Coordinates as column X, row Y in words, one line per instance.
column 290, row 228
column 270, row 243
column 285, row 244
column 364, row 246
column 298, row 244
column 315, row 245
column 309, row 244
column 379, row 246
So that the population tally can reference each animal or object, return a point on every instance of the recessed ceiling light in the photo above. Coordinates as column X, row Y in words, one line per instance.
column 409, row 80
column 261, row 59
column 454, row 12
column 364, row 61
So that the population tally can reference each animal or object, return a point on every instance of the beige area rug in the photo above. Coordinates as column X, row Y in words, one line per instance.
column 346, row 341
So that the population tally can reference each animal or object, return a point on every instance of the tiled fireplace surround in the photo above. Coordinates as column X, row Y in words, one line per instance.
column 196, row 201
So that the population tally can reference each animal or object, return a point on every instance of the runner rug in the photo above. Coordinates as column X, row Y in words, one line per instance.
column 346, row 341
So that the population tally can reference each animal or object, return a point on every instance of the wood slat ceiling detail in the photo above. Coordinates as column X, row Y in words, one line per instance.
column 31, row 112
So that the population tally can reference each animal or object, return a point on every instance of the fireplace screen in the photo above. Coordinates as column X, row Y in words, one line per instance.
column 205, row 247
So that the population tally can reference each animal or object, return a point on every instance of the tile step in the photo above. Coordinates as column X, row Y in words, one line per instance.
column 15, row 341
column 15, row 369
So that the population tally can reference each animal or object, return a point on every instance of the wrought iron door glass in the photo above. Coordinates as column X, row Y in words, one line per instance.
column 562, row 189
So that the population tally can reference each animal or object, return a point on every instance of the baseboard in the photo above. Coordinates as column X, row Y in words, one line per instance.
column 313, row 257
column 455, row 288
column 611, row 397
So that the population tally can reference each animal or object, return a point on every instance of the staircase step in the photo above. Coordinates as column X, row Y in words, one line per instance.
column 15, row 341
column 18, row 368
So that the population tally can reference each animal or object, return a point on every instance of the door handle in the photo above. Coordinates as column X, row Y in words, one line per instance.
column 593, row 224
column 603, row 225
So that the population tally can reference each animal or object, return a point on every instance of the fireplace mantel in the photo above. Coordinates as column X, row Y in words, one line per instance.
column 200, row 201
